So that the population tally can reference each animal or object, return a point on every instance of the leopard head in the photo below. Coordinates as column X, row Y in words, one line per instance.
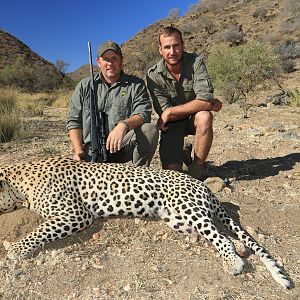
column 10, row 197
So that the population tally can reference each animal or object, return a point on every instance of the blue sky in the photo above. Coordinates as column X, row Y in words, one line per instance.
column 60, row 29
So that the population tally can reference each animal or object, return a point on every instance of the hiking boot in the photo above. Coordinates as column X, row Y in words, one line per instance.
column 187, row 153
column 197, row 171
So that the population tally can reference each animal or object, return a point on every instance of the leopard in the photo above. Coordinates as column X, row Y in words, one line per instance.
column 71, row 194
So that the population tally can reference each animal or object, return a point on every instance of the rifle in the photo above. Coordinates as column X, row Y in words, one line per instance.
column 98, row 134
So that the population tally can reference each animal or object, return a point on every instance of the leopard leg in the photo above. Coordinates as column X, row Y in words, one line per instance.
column 201, row 222
column 53, row 229
column 175, row 221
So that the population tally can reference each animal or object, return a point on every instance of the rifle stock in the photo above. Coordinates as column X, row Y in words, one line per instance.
column 98, row 133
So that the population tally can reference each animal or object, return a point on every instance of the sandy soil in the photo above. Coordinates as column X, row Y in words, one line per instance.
column 258, row 158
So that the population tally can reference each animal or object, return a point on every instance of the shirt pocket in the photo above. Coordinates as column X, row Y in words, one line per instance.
column 189, row 92
column 121, row 106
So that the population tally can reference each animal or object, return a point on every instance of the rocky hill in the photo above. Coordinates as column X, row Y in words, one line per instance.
column 211, row 23
column 12, row 49
column 18, row 62
column 233, row 22
column 206, row 25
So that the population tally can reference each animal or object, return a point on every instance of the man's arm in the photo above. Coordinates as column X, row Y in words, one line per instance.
column 115, row 137
column 75, row 135
column 140, row 112
column 75, row 122
column 185, row 110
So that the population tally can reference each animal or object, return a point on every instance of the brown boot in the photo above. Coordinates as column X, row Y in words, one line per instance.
column 197, row 171
column 187, row 153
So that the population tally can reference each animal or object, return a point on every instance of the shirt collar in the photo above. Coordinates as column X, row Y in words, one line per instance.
column 123, row 77
column 162, row 68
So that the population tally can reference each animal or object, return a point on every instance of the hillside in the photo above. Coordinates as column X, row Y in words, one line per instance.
column 19, row 63
column 206, row 25
column 212, row 23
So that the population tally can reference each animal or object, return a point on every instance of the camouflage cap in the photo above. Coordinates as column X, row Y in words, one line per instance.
column 109, row 45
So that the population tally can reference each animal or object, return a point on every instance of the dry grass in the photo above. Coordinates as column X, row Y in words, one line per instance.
column 15, row 105
column 9, row 116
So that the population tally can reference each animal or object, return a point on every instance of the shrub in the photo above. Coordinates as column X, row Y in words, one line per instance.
column 200, row 24
column 9, row 116
column 174, row 14
column 203, row 6
column 233, row 35
column 30, row 78
column 288, row 50
column 260, row 13
column 237, row 71
column 294, row 96
column 287, row 65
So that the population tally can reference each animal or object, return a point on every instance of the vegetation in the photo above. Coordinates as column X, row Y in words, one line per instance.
column 15, row 105
column 294, row 97
column 31, row 78
column 287, row 52
column 9, row 116
column 237, row 71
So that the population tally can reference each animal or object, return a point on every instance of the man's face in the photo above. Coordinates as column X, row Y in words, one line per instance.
column 110, row 64
column 171, row 48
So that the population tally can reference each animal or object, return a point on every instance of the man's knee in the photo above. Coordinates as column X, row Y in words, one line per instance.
column 203, row 121
column 151, row 133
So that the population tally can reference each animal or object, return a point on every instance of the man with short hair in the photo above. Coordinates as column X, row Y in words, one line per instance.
column 182, row 96
column 125, row 101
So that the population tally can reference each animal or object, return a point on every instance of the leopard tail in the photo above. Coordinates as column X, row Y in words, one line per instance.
column 245, row 237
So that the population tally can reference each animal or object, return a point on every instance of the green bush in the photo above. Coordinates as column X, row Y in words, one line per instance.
column 31, row 78
column 237, row 71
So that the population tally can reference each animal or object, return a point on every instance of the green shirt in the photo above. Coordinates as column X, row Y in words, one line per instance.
column 119, row 101
column 194, row 83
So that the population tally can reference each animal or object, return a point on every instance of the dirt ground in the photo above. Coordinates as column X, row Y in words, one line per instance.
column 258, row 158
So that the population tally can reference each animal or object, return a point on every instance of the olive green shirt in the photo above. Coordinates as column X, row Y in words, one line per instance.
column 194, row 83
column 119, row 101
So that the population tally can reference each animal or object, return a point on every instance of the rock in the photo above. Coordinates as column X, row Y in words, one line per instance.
column 96, row 236
column 255, row 132
column 275, row 126
column 288, row 136
column 127, row 287
column 251, row 231
column 154, row 268
column 137, row 221
column 97, row 292
column 17, row 272
column 6, row 245
column 240, row 248
column 215, row 184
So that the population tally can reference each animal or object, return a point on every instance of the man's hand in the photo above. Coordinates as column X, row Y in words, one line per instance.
column 216, row 105
column 163, row 120
column 115, row 138
column 78, row 155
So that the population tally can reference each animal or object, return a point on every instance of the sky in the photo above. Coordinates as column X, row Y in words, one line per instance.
column 61, row 29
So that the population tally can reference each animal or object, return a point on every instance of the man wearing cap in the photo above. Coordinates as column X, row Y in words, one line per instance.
column 125, row 101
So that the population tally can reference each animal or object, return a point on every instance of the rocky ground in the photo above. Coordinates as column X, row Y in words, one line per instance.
column 258, row 159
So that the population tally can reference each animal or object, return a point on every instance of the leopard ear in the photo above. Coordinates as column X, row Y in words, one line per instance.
column 2, row 179
column 2, row 175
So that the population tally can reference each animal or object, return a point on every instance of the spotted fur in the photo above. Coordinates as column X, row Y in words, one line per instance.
column 70, row 195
